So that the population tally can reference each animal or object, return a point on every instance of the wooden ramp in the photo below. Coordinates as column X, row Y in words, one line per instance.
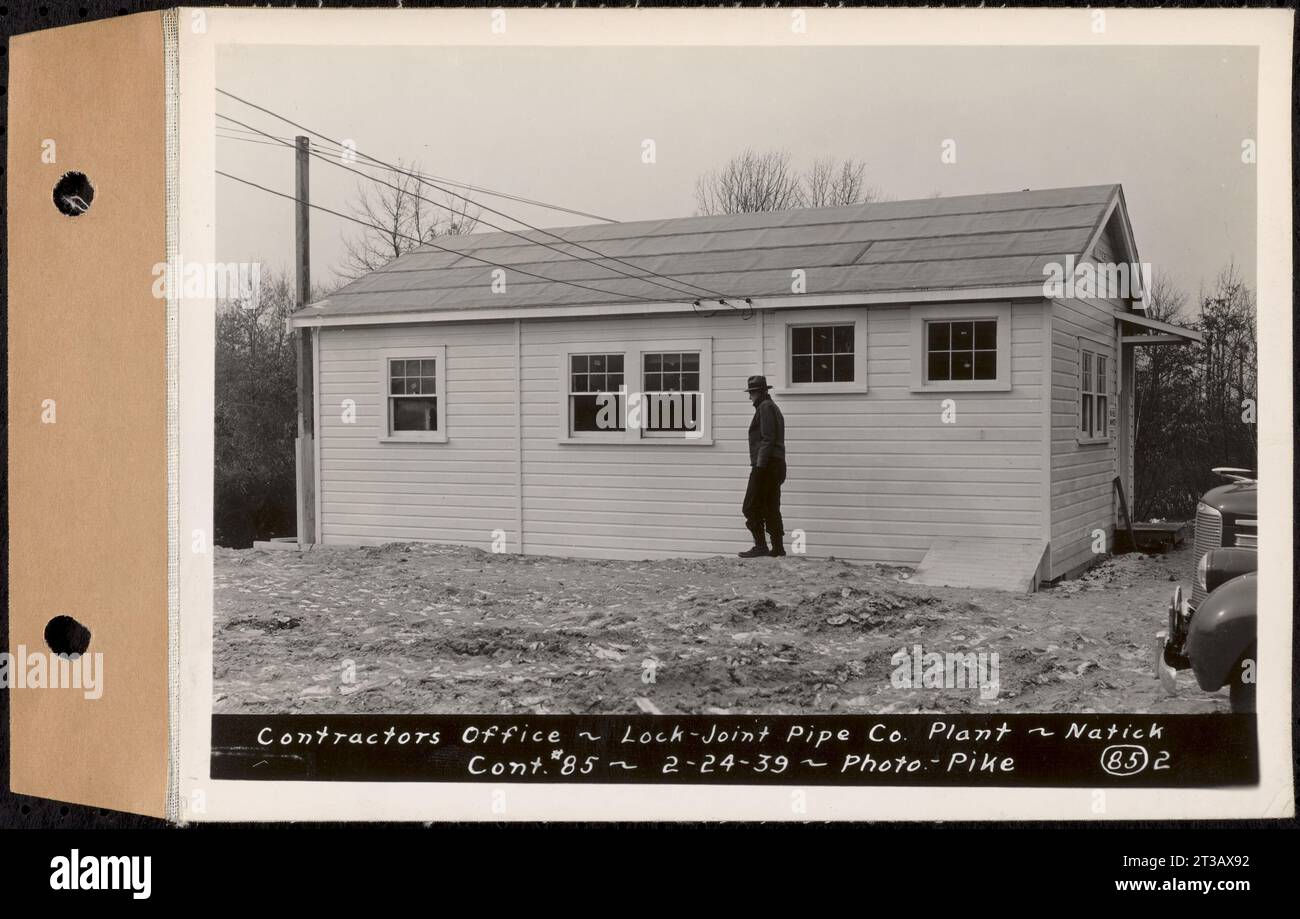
column 997, row 564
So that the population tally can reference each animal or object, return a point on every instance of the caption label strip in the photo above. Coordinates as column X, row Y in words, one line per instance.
column 1175, row 751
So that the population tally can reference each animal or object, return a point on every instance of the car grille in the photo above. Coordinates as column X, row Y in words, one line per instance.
column 1209, row 535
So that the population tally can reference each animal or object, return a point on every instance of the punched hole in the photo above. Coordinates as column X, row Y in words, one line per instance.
column 73, row 194
column 66, row 635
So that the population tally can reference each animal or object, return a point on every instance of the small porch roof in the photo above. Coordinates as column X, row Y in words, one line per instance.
column 1166, row 333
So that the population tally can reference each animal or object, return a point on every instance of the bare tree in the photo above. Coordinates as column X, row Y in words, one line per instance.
column 832, row 183
column 399, row 213
column 766, row 181
column 748, row 183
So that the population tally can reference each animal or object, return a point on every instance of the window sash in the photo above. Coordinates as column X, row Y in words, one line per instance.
column 961, row 350
column 821, row 352
column 1094, row 395
column 412, row 391
column 670, row 390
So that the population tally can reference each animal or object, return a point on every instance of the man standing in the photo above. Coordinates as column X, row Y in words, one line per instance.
column 762, row 507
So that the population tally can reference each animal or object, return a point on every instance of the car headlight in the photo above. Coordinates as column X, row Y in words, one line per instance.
column 1202, row 567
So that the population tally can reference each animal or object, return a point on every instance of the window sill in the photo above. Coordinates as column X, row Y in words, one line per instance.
column 1091, row 441
column 640, row 442
column 814, row 389
column 425, row 439
column 963, row 386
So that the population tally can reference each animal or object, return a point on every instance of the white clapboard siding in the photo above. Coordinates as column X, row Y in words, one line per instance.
column 460, row 491
column 874, row 476
column 1082, row 473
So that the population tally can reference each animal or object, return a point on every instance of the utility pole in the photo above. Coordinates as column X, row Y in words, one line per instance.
column 306, row 441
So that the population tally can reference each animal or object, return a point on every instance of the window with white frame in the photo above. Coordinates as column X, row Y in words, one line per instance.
column 597, row 394
column 961, row 347
column 637, row 393
column 414, row 395
column 824, row 351
column 670, row 392
column 1094, row 397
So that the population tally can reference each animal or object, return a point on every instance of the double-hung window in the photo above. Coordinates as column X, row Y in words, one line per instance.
column 597, row 394
column 414, row 387
column 1094, row 394
column 637, row 393
column 670, row 393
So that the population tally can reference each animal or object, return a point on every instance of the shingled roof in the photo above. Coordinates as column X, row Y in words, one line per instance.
column 972, row 241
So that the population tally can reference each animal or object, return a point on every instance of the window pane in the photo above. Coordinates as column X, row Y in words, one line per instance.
column 428, row 368
column 844, row 339
column 938, row 366
column 579, row 383
column 986, row 365
column 844, row 368
column 595, row 382
column 1103, row 423
column 413, row 386
column 672, row 363
column 397, row 386
column 613, row 381
column 414, row 414
column 986, row 334
column 938, row 337
column 801, row 369
column 1085, row 371
column 823, row 339
column 428, row 385
column 672, row 412
column 597, row 363
column 1100, row 386
column 653, row 362
column 691, row 382
column 579, row 362
column 654, row 382
column 672, row 382
column 691, row 361
column 586, row 414
column 1085, row 415
column 801, row 341
column 823, row 368
column 963, row 365
column 963, row 336
column 614, row 363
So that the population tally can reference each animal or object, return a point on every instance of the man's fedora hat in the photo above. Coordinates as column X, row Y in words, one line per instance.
column 757, row 383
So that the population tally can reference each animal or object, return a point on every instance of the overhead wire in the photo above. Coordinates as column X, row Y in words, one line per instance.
column 397, row 169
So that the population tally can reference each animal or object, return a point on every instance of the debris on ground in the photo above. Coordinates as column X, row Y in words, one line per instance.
column 413, row 627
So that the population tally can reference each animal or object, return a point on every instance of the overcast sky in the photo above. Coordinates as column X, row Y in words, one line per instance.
column 566, row 126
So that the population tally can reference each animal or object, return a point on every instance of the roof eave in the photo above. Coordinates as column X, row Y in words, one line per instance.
column 305, row 318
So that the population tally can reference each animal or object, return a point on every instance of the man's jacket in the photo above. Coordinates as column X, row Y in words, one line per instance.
column 766, row 434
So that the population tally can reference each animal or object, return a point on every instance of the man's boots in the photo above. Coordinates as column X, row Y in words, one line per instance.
column 760, row 545
column 777, row 549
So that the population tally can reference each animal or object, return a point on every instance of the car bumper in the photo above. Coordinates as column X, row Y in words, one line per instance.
column 1169, row 651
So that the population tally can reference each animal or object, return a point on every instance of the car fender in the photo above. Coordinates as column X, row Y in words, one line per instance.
column 1222, row 629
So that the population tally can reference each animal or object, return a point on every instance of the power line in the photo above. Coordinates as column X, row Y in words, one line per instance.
column 457, row 183
column 679, row 291
column 375, row 226
column 720, row 296
column 486, row 191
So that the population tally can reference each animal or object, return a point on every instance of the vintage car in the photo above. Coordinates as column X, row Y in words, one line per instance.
column 1213, row 632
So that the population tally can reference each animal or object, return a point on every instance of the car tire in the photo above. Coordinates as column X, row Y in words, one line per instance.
column 1241, row 695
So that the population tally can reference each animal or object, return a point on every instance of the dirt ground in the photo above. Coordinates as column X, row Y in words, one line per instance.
column 417, row 628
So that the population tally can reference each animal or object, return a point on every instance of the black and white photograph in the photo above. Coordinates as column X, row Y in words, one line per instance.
column 435, row 432
column 742, row 381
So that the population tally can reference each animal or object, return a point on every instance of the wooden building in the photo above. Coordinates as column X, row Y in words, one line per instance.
column 941, row 398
